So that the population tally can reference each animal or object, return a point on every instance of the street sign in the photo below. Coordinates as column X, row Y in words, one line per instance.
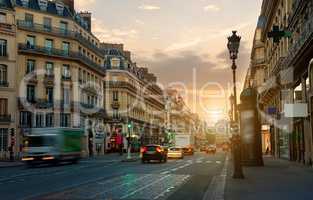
column 296, row 110
column 277, row 34
column 272, row 110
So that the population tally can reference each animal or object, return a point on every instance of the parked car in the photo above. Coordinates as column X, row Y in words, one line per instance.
column 175, row 152
column 203, row 148
column 211, row 148
column 226, row 147
column 188, row 151
column 154, row 152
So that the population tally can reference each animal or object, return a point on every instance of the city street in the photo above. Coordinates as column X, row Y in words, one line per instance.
column 112, row 179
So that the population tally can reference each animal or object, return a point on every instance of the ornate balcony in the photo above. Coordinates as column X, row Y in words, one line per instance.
column 7, row 28
column 304, row 38
column 24, row 25
column 70, row 55
column 4, row 84
column 66, row 78
column 49, row 79
column 5, row 119
column 87, row 106
column 43, row 104
column 115, row 104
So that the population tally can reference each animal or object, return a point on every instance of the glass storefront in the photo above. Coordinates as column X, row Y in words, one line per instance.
column 284, row 145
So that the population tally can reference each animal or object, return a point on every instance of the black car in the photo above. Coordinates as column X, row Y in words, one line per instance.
column 153, row 152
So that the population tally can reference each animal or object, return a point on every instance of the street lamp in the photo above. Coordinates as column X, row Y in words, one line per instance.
column 231, row 115
column 129, row 127
column 233, row 47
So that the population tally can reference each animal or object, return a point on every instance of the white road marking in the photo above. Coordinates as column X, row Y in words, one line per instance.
column 146, row 186
column 209, row 161
column 166, row 172
column 119, row 186
column 218, row 162
column 216, row 189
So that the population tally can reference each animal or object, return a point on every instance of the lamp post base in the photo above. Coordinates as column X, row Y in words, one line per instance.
column 238, row 175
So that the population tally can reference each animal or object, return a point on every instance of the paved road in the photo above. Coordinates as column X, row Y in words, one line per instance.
column 112, row 179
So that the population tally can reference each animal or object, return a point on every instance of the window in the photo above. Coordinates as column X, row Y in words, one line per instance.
column 66, row 48
column 30, row 41
column 30, row 66
column 84, row 76
column 49, row 69
column 115, row 63
column 47, row 23
column 25, row 3
column 29, row 19
column 49, row 93
column 80, row 75
column 30, row 93
column 25, row 119
column 66, row 73
column 115, row 113
column 65, row 120
column 3, row 48
column 66, row 96
column 3, row 107
column 43, row 4
column 39, row 120
column 3, row 18
column 49, row 44
column 49, row 119
column 3, row 75
column 63, row 27
column 4, row 139
column 115, row 95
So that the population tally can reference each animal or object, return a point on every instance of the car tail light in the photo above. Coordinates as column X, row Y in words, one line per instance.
column 158, row 149
column 144, row 149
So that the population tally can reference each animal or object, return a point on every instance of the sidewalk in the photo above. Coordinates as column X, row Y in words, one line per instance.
column 279, row 179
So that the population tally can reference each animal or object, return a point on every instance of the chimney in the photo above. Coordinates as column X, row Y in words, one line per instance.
column 86, row 16
column 70, row 4
column 127, row 55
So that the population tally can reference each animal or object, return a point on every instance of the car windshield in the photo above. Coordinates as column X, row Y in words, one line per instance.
column 175, row 149
column 151, row 148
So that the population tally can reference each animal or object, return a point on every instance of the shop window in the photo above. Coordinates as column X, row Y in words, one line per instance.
column 4, row 139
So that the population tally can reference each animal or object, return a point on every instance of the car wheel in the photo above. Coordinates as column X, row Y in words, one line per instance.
column 143, row 161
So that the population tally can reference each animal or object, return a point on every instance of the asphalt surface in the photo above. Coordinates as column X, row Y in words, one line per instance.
column 188, row 179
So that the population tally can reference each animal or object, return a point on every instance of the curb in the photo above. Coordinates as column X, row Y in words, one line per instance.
column 12, row 165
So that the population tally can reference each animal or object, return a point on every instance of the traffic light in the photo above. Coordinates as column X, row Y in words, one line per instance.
column 129, row 125
column 12, row 132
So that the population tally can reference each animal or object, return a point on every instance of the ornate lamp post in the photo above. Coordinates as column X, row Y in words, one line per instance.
column 231, row 115
column 233, row 47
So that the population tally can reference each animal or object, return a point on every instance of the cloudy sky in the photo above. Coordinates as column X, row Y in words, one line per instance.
column 182, row 41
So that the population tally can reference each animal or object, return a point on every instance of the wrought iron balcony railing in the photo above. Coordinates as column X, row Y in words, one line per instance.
column 87, row 105
column 5, row 118
column 4, row 84
column 22, row 24
column 305, row 36
column 60, row 53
